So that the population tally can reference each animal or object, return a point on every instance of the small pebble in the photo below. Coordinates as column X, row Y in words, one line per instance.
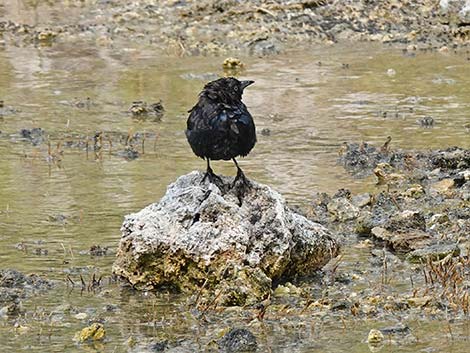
column 375, row 337
column 81, row 316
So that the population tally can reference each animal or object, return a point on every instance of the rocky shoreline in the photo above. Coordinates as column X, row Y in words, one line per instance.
column 423, row 202
column 257, row 27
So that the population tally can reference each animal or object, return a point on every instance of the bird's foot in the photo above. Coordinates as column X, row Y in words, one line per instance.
column 212, row 177
column 241, row 180
column 240, row 186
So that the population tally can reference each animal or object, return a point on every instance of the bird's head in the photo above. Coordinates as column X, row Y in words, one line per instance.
column 225, row 90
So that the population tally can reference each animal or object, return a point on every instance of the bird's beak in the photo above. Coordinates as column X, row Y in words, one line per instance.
column 245, row 84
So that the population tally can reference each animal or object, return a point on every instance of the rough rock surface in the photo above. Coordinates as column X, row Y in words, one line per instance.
column 258, row 27
column 238, row 340
column 15, row 286
column 424, row 213
column 199, row 237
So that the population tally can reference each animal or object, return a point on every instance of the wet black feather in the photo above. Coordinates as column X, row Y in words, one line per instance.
column 219, row 125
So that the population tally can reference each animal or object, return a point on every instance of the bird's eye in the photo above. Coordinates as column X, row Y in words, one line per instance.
column 235, row 88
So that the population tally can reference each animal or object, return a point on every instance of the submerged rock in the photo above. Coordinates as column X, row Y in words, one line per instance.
column 360, row 159
column 129, row 153
column 233, row 243
column 35, row 135
column 427, row 121
column 232, row 64
column 433, row 252
column 142, row 109
column 10, row 303
column 238, row 340
column 375, row 337
column 158, row 346
column 10, row 278
column 396, row 330
column 94, row 332
column 15, row 286
column 6, row 110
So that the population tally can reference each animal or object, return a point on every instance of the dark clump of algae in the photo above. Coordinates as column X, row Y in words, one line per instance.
column 63, row 197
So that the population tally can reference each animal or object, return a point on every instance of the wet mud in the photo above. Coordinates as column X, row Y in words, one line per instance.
column 257, row 28
column 422, row 205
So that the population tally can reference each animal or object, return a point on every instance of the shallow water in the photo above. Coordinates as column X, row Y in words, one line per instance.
column 52, row 212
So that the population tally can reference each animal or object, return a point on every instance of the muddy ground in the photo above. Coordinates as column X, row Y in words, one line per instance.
column 257, row 27
column 415, row 228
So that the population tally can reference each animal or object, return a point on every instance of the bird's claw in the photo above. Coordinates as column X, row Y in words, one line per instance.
column 241, row 179
column 240, row 185
column 212, row 177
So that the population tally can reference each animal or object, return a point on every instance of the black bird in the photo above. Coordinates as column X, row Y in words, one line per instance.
column 219, row 126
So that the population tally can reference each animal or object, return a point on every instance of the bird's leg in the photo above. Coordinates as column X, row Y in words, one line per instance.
column 213, row 178
column 240, row 175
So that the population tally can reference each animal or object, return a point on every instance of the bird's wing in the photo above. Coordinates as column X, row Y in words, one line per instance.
column 220, row 117
column 238, row 117
column 205, row 116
